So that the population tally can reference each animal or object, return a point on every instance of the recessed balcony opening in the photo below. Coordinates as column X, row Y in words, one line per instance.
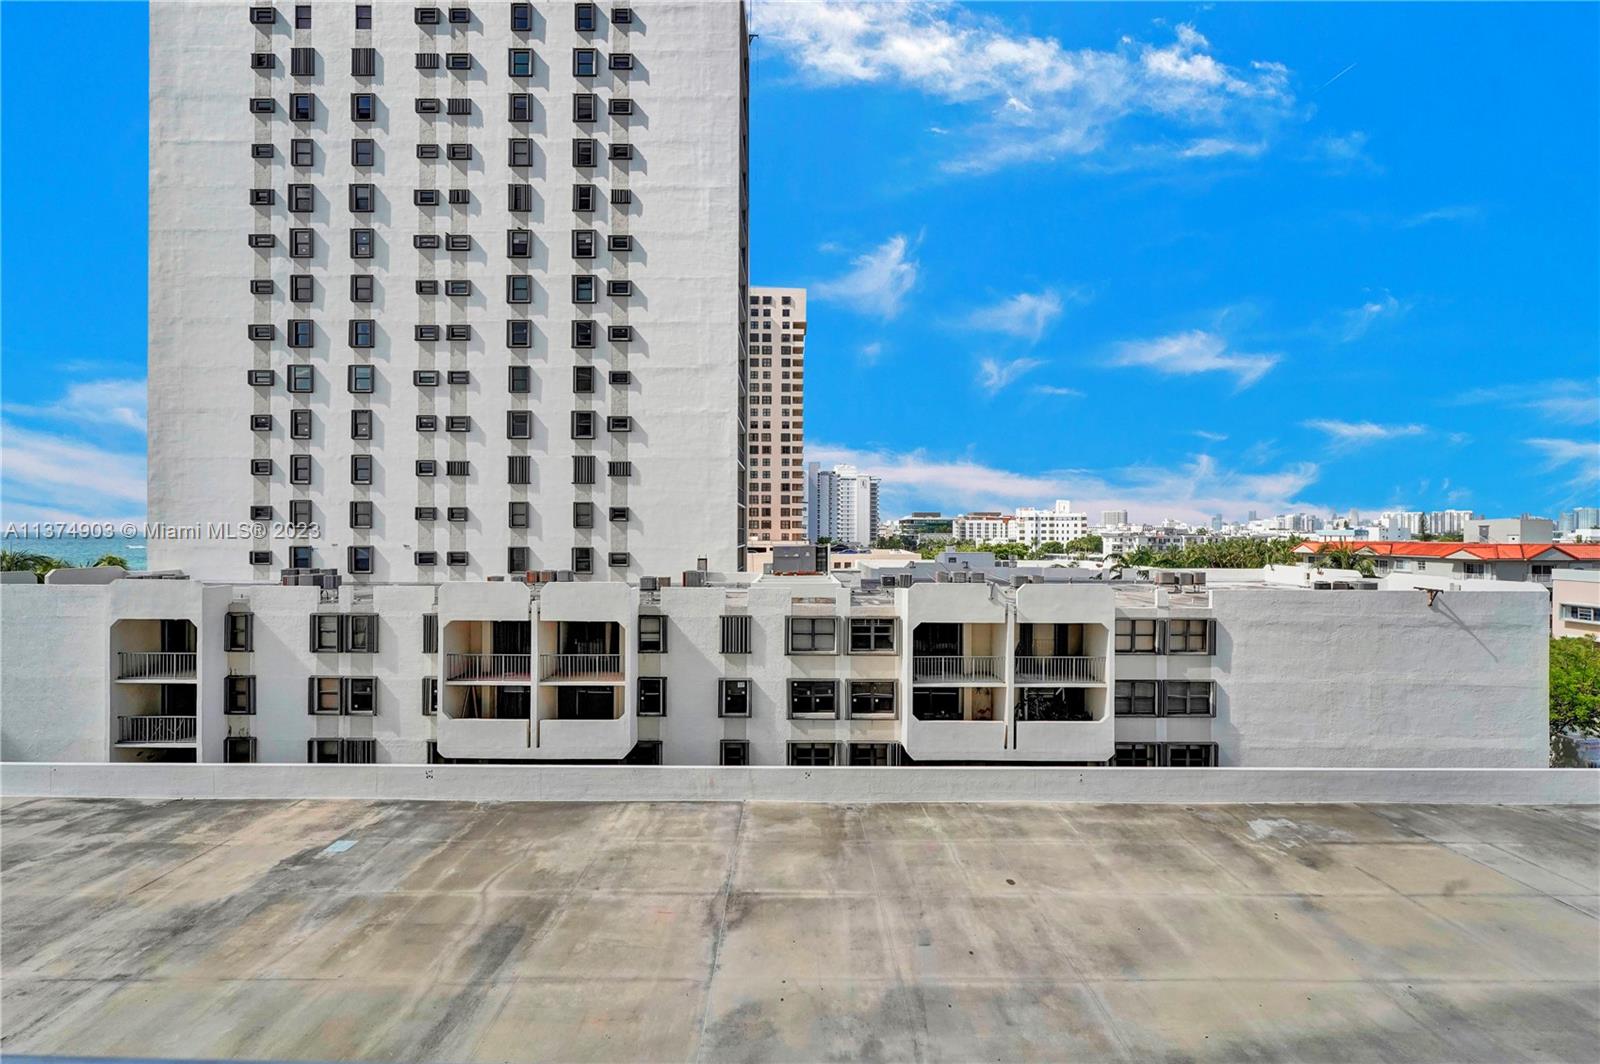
column 580, row 652
column 488, row 702
column 1047, row 654
column 957, row 653
column 489, row 652
column 969, row 704
column 155, row 696
column 1059, row 704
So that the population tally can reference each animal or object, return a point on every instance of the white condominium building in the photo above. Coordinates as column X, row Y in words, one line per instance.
column 1026, row 525
column 776, row 447
column 1113, row 518
column 446, row 292
column 841, row 505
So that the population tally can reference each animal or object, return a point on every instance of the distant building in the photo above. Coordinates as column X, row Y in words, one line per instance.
column 777, row 484
column 1538, row 562
column 1575, row 604
column 1522, row 529
column 841, row 505
column 1059, row 524
column 1114, row 518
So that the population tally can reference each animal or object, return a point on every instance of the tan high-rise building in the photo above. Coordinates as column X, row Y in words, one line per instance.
column 776, row 375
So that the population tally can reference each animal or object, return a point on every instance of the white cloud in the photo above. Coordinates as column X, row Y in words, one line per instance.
column 1214, row 437
column 1057, row 390
column 878, row 281
column 1212, row 147
column 1462, row 212
column 994, row 374
column 1194, row 352
column 1351, row 434
column 46, row 473
column 1359, row 319
column 1032, row 97
column 1585, row 454
column 1192, row 491
column 870, row 353
column 1027, row 314
column 92, row 404
column 1568, row 401
column 1346, row 153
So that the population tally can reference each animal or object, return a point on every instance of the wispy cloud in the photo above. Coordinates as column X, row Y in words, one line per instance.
column 1057, row 390
column 97, row 403
column 1348, row 435
column 1461, row 212
column 1345, row 153
column 878, row 281
column 1212, row 147
column 995, row 374
column 1568, row 401
column 48, row 476
column 870, row 353
column 1582, row 456
column 1190, row 491
column 1214, row 437
column 1193, row 352
column 1358, row 320
column 1032, row 98
column 1027, row 315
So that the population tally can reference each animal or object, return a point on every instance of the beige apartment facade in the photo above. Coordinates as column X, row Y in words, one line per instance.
column 776, row 448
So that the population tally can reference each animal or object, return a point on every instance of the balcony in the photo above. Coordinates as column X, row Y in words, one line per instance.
column 580, row 668
column 958, row 669
column 1060, row 670
column 155, row 731
column 488, row 668
column 154, row 666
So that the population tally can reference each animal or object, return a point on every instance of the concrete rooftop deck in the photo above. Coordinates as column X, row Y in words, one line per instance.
column 408, row 931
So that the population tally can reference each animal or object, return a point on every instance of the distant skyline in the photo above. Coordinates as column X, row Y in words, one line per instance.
column 1180, row 260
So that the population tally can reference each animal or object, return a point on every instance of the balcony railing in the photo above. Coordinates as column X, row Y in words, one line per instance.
column 958, row 668
column 160, row 665
column 488, row 667
column 579, row 666
column 1061, row 669
column 156, row 729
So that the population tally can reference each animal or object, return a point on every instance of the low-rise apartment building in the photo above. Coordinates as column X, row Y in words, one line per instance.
column 1538, row 562
column 1575, row 604
column 963, row 659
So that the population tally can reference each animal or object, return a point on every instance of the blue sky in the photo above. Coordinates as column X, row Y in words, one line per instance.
column 1183, row 259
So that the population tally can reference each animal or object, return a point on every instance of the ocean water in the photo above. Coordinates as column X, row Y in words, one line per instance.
column 80, row 550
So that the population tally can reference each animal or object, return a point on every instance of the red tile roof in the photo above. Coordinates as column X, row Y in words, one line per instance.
column 1491, row 552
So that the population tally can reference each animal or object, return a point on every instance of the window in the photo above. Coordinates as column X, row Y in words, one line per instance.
column 519, row 288
column 361, row 379
column 519, row 380
column 620, row 152
column 585, row 106
column 300, row 424
column 301, row 243
column 302, row 16
column 1136, row 636
column 458, row 289
column 1191, row 755
column 426, row 513
column 521, row 151
column 360, row 514
column 519, row 243
column 652, row 696
column 361, row 633
column 1135, row 755
column 361, row 469
column 621, row 61
column 618, row 514
column 585, row 151
column 425, row 333
column 1188, row 698
column 362, row 331
column 427, row 16
column 359, row 560
column 733, row 698
column 521, row 17
column 519, row 334
column 619, row 243
column 238, row 632
column 584, row 17
column 585, row 62
column 1586, row 614
column 619, row 289
column 583, row 198
column 361, row 198
column 1135, row 698
column 622, row 16
column 582, row 560
column 428, row 105
column 521, row 107
column 430, row 691
column 427, row 423
column 458, row 152
column 735, row 751
column 619, row 423
column 1191, row 635
column 300, row 515
column 872, row 699
column 427, row 467
column 521, row 60
column 582, row 380
column 361, row 288
column 262, row 197
column 263, row 105
column 519, row 425
column 239, row 749
column 302, row 153
column 736, row 633
column 326, row 629
column 583, row 515
column 583, row 289
column 458, row 61
column 362, row 152
column 300, row 379
column 363, row 62
column 301, row 333
column 262, row 151
column 302, row 106
column 619, row 334
column 299, row 557
column 302, row 62
column 461, row 15
column 811, row 754
column 518, row 514
column 458, row 242
column 583, row 424
column 263, row 16
column 871, row 635
column 620, row 105
column 362, row 242
column 813, row 635
column 363, row 16
column 301, row 289
column 260, row 377
column 584, row 243
column 652, row 634
column 813, row 698
column 361, row 424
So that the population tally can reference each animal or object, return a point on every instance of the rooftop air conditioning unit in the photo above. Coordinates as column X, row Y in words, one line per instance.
column 648, row 583
column 694, row 578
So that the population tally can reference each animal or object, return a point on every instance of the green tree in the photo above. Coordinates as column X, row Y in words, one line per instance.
column 20, row 561
column 1574, row 687
column 112, row 559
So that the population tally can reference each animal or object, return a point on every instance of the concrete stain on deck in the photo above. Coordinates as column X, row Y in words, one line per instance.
column 324, row 930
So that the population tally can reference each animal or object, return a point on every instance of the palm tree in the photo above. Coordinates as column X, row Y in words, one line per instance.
column 22, row 561
column 112, row 559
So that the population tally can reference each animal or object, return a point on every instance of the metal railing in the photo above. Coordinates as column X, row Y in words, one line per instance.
column 958, row 668
column 578, row 666
column 155, row 729
column 488, row 667
column 142, row 665
column 1031, row 669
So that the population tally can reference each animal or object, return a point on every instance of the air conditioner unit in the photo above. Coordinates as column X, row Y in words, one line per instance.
column 648, row 583
column 694, row 578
